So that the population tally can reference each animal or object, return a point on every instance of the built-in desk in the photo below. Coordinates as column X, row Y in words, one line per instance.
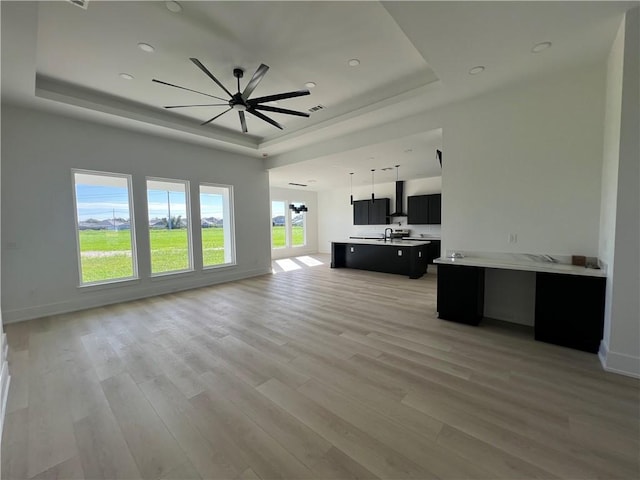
column 569, row 300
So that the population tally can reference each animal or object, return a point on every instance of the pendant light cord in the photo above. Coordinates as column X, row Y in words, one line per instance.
column 373, row 197
column 351, row 190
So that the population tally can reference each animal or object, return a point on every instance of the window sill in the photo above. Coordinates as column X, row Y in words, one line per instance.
column 109, row 284
column 169, row 275
column 210, row 268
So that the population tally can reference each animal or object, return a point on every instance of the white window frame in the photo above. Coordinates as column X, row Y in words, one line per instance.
column 134, row 251
column 229, row 234
column 287, row 221
column 304, row 232
column 187, row 201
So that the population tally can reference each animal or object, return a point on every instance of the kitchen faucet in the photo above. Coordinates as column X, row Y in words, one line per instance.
column 390, row 234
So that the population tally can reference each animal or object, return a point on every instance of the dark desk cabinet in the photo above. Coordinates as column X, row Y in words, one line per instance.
column 366, row 212
column 424, row 209
column 570, row 310
column 460, row 293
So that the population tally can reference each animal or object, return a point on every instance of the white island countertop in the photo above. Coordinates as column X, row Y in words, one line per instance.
column 394, row 242
column 519, row 262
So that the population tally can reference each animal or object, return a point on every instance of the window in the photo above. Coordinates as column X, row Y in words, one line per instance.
column 104, row 225
column 278, row 224
column 288, row 229
column 169, row 231
column 216, row 223
column 298, row 231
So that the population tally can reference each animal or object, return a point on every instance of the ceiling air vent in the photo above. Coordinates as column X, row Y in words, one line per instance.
column 80, row 3
column 316, row 108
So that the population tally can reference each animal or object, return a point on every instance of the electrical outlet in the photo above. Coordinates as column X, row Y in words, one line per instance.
column 513, row 238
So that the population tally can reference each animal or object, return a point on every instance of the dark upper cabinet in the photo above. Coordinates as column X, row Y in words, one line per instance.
column 366, row 212
column 418, row 207
column 361, row 212
column 424, row 209
column 435, row 207
column 379, row 211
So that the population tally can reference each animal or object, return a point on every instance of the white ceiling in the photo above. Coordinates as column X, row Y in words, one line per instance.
column 415, row 155
column 414, row 56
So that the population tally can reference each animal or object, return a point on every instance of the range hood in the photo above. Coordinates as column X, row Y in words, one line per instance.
column 399, row 195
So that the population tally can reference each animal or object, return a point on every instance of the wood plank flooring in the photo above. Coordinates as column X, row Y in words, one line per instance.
column 308, row 373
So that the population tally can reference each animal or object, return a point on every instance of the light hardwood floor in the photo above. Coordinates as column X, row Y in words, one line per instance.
column 309, row 373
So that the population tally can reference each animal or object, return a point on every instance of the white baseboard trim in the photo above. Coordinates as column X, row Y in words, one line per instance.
column 618, row 362
column 107, row 297
column 5, row 380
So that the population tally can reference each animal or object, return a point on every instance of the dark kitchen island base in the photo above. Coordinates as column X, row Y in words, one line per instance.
column 400, row 257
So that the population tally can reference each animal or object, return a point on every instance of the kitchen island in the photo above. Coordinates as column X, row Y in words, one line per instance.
column 402, row 257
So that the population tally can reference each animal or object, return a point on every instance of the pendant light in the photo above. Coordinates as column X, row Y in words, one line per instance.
column 351, row 182
column 373, row 197
column 397, row 173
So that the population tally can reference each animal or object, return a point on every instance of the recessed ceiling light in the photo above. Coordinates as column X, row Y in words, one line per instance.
column 539, row 47
column 354, row 62
column 126, row 76
column 310, row 84
column 173, row 6
column 145, row 47
column 476, row 70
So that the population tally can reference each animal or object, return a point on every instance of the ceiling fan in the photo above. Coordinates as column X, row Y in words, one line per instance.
column 241, row 101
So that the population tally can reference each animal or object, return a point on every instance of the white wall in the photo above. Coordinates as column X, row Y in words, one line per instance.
column 4, row 347
column 310, row 199
column 610, row 160
column 335, row 220
column 526, row 160
column 39, row 266
column 619, row 221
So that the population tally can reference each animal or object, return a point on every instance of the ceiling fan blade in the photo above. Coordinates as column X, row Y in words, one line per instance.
column 209, row 74
column 278, row 96
column 280, row 110
column 243, row 122
column 203, row 105
column 265, row 118
column 187, row 89
column 212, row 119
column 255, row 80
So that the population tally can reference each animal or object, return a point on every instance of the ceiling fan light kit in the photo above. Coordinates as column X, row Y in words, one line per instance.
column 241, row 102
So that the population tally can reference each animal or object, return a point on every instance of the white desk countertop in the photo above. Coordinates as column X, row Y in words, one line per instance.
column 520, row 264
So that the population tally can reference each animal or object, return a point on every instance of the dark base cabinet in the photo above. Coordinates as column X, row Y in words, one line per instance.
column 460, row 293
column 386, row 258
column 338, row 255
column 569, row 310
column 433, row 251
